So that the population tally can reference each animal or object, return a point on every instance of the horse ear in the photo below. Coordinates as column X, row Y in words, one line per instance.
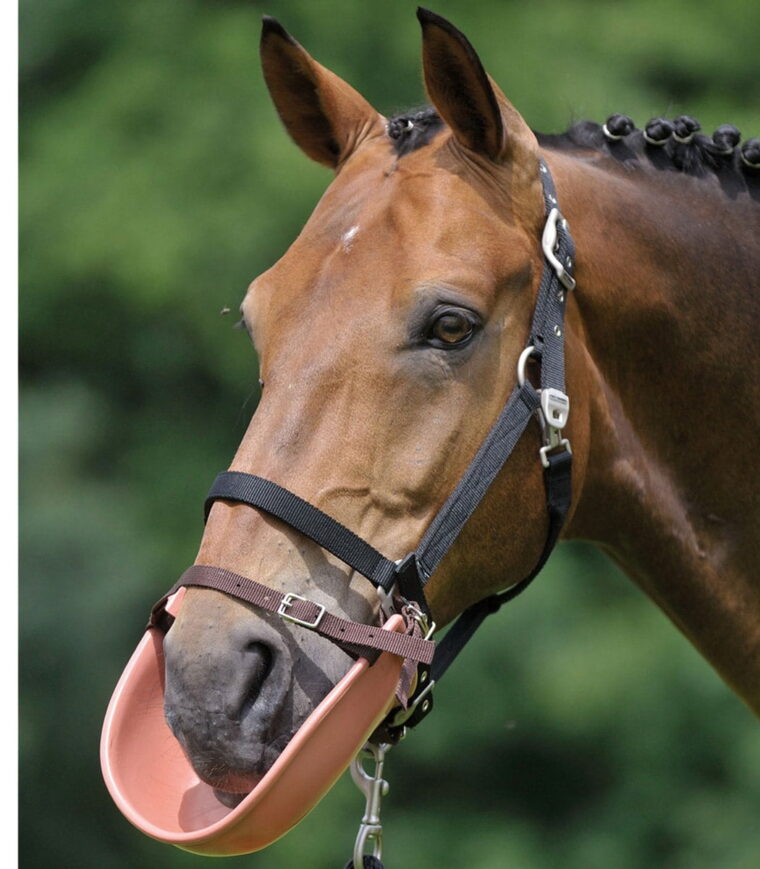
column 465, row 96
column 324, row 116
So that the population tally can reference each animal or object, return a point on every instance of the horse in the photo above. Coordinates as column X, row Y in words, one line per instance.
column 389, row 336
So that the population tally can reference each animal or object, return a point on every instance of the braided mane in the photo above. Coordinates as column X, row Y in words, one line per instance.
column 677, row 145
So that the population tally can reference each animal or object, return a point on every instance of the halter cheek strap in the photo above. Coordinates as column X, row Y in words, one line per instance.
column 408, row 577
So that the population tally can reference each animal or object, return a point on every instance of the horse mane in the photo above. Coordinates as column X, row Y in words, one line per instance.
column 676, row 145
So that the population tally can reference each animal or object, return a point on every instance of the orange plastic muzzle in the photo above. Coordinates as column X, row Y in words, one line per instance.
column 157, row 790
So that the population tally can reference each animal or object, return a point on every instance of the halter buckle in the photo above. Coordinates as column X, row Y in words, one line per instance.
column 288, row 601
column 543, row 451
column 555, row 407
column 427, row 625
column 387, row 605
column 554, row 411
column 549, row 245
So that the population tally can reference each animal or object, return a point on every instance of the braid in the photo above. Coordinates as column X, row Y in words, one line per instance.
column 617, row 127
column 750, row 154
column 725, row 139
column 691, row 153
column 676, row 145
column 657, row 132
column 684, row 148
column 685, row 128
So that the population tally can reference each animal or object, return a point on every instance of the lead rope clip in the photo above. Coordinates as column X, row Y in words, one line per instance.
column 374, row 787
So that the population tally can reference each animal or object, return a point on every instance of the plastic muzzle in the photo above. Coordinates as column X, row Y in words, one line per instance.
column 157, row 790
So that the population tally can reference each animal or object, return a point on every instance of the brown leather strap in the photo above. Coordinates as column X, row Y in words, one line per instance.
column 354, row 637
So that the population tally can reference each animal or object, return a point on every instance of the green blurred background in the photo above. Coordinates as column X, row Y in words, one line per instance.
column 579, row 729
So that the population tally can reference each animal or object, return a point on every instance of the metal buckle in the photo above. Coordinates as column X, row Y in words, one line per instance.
column 553, row 411
column 386, row 599
column 426, row 625
column 288, row 600
column 562, row 442
column 549, row 245
column 555, row 407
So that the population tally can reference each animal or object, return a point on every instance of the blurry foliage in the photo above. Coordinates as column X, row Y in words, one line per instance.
column 579, row 729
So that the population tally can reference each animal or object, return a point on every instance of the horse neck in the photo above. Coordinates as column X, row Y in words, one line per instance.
column 662, row 344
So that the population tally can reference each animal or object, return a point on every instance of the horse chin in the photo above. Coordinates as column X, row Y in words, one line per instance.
column 231, row 800
column 235, row 759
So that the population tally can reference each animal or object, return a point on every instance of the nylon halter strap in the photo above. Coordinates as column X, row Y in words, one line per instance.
column 404, row 581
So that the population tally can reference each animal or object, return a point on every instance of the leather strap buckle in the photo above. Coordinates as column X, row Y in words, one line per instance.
column 288, row 601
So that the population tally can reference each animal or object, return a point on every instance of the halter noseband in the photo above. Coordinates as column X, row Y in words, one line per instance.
column 400, row 585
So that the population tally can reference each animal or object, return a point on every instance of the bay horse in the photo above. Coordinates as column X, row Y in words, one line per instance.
column 389, row 336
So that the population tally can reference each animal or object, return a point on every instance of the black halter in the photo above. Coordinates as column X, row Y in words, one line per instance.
column 407, row 578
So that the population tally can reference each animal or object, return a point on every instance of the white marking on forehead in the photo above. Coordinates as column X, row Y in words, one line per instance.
column 348, row 238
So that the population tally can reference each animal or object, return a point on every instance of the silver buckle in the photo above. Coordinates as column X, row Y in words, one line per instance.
column 549, row 245
column 555, row 409
column 426, row 626
column 386, row 599
column 287, row 602
column 562, row 442
column 555, row 406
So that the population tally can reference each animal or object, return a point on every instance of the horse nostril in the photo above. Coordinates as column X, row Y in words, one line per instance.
column 257, row 665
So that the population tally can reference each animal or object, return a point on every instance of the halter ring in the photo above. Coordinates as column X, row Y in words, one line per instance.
column 522, row 361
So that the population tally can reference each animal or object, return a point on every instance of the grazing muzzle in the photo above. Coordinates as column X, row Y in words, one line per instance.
column 154, row 785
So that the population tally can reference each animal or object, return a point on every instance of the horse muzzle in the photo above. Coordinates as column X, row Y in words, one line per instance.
column 227, row 697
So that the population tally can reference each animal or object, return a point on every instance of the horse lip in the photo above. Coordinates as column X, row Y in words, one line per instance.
column 232, row 768
column 232, row 784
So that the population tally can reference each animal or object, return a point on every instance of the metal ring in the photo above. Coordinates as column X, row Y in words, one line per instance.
column 522, row 362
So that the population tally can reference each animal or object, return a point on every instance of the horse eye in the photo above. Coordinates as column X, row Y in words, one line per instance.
column 451, row 329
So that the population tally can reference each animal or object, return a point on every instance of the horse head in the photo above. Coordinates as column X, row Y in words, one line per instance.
column 388, row 337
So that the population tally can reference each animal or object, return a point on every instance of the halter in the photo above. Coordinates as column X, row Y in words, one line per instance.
column 401, row 584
